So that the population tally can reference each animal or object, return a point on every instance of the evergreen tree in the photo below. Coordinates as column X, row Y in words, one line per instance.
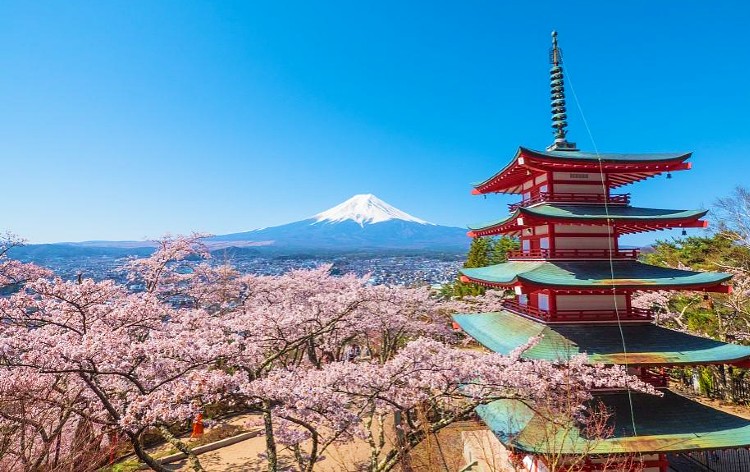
column 482, row 253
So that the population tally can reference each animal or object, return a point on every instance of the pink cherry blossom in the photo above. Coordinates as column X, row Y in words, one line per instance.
column 323, row 359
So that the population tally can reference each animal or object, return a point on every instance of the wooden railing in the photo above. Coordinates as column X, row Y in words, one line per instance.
column 574, row 254
column 563, row 316
column 657, row 379
column 614, row 199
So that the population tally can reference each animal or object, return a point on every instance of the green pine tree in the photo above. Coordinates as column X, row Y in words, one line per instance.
column 482, row 253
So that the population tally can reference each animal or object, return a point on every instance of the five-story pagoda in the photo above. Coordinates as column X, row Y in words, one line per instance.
column 573, row 286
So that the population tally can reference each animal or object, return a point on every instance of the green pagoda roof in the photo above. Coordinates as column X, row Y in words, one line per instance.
column 576, row 213
column 606, row 156
column 591, row 275
column 671, row 423
column 647, row 344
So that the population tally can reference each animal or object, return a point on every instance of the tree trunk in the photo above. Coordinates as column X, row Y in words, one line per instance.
column 311, row 354
column 273, row 460
column 143, row 455
column 195, row 464
column 401, row 443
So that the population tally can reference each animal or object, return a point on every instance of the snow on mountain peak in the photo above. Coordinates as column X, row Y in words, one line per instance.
column 365, row 209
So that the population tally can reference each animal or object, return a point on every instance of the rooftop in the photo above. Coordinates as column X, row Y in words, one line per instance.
column 621, row 168
column 671, row 423
column 593, row 275
column 627, row 218
column 647, row 344
column 606, row 156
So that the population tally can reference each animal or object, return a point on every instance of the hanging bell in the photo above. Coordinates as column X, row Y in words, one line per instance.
column 669, row 175
column 684, row 232
column 705, row 296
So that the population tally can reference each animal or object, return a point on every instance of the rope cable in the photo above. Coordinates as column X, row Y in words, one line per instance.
column 611, row 233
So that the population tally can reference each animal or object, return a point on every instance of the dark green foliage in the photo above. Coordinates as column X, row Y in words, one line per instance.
column 482, row 252
column 719, row 315
column 725, row 317
column 701, row 253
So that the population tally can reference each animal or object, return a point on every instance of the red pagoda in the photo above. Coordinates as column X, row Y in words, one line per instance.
column 573, row 285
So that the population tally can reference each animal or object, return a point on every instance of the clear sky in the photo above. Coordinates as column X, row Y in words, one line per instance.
column 125, row 120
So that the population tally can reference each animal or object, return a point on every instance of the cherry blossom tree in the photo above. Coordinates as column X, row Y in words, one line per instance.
column 430, row 384
column 12, row 272
column 137, row 362
column 323, row 359
column 42, row 425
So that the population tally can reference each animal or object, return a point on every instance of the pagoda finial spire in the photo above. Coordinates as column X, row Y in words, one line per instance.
column 557, row 85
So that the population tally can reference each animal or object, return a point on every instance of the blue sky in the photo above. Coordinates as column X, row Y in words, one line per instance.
column 125, row 120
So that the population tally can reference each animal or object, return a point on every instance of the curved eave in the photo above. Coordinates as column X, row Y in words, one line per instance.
column 717, row 287
column 622, row 169
column 668, row 423
column 616, row 158
column 508, row 178
column 507, row 225
column 647, row 344
column 594, row 276
column 623, row 224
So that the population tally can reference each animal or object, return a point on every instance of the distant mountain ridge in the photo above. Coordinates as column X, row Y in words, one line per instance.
column 363, row 223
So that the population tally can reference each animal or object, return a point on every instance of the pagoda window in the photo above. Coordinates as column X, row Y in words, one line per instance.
column 543, row 301
column 544, row 243
column 523, row 299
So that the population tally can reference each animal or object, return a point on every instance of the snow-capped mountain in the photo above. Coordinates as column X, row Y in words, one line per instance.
column 363, row 222
column 365, row 209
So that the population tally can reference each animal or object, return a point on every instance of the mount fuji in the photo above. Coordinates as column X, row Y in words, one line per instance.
column 363, row 222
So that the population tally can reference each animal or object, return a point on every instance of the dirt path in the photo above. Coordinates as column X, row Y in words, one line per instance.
column 445, row 453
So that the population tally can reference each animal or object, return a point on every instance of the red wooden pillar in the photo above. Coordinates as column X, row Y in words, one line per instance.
column 552, row 303
column 663, row 463
column 615, row 240
column 551, row 234
column 628, row 304
column 605, row 180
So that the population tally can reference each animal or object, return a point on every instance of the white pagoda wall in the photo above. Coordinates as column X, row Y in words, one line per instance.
column 581, row 229
column 591, row 302
column 591, row 237
column 564, row 242
column 482, row 448
column 591, row 183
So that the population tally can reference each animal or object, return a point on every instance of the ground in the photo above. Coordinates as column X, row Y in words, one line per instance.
column 441, row 455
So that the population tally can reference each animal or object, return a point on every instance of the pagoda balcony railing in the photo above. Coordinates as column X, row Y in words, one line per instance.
column 572, row 316
column 657, row 379
column 573, row 254
column 545, row 197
